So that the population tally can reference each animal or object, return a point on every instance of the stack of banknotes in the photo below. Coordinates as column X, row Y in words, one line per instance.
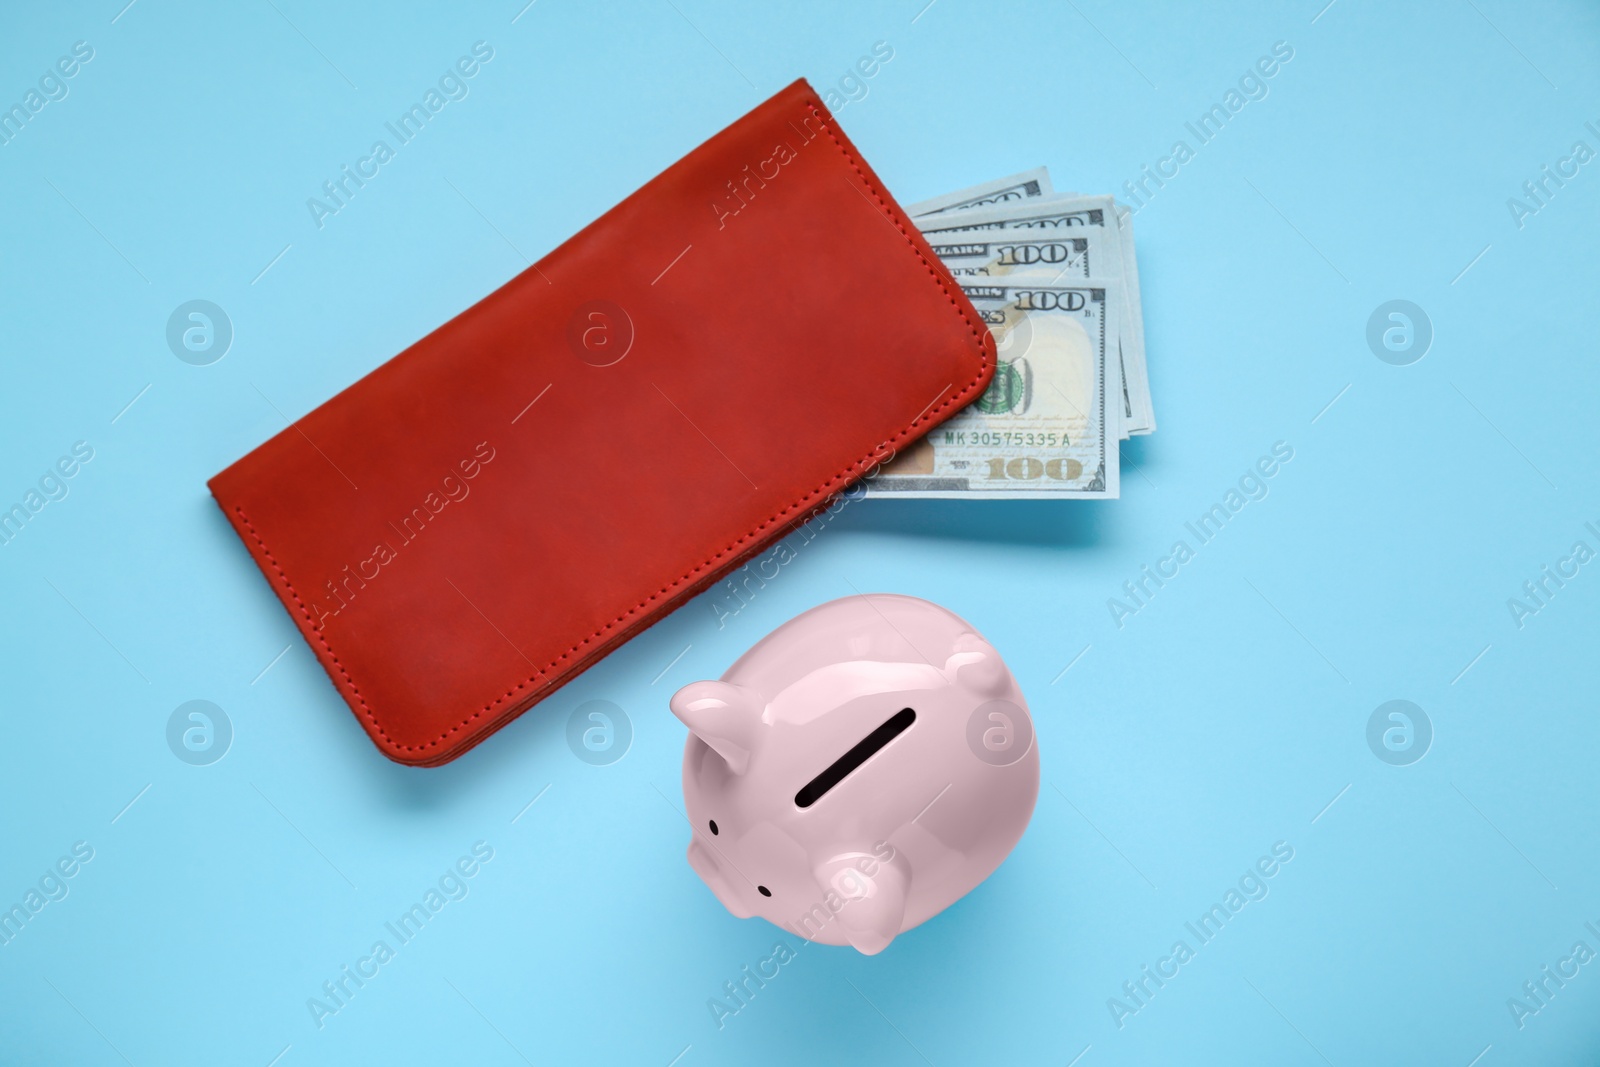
column 1055, row 278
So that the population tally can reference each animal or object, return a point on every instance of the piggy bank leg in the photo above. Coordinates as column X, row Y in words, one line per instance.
column 871, row 895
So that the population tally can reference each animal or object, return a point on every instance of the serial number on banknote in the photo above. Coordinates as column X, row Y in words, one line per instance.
column 998, row 438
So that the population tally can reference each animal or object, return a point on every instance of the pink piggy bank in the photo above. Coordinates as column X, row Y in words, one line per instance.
column 859, row 770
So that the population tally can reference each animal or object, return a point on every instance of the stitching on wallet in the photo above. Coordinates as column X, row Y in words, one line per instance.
column 289, row 585
column 821, row 491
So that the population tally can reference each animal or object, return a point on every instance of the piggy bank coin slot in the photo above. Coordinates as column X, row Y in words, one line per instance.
column 863, row 751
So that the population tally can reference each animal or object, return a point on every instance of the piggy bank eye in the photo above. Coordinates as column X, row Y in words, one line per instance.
column 713, row 828
column 763, row 890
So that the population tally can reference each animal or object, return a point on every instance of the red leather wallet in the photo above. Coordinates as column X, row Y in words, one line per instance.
column 491, row 511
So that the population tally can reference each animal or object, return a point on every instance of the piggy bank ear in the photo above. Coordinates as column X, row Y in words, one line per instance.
column 977, row 667
column 726, row 717
column 873, row 904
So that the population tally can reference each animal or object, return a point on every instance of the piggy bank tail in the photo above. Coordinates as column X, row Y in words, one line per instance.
column 871, row 894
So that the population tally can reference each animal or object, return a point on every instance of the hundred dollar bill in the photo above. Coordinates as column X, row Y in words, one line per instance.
column 1050, row 254
column 1043, row 428
column 1088, row 253
column 1030, row 184
column 1135, row 303
column 1048, row 257
column 1057, row 215
column 1130, row 256
column 1043, row 213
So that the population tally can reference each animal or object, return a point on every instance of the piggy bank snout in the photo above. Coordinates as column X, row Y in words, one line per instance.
column 871, row 895
column 708, row 865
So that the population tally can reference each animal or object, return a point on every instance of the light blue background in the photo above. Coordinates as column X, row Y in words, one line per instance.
column 1223, row 717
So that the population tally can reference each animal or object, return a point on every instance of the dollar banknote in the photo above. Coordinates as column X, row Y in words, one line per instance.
column 1136, row 307
column 1058, row 215
column 1051, row 257
column 1029, row 185
column 1043, row 429
column 1081, row 215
